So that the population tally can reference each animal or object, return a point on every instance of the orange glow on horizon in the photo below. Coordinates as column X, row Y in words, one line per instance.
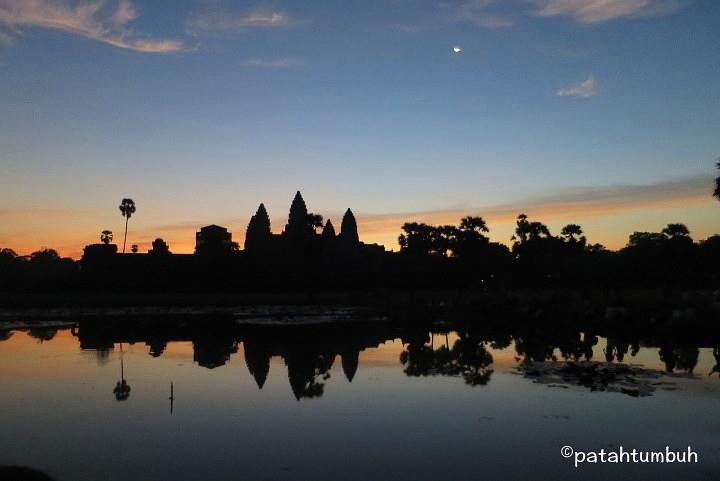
column 605, row 222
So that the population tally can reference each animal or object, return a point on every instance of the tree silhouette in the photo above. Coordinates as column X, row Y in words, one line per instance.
column 106, row 236
column 134, row 248
column 159, row 247
column 417, row 238
column 673, row 231
column 571, row 233
column 526, row 230
column 44, row 255
column 643, row 239
column 315, row 220
column 717, row 183
column 127, row 208
column 474, row 224
column 468, row 241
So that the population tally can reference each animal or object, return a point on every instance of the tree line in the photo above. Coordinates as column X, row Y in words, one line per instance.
column 537, row 257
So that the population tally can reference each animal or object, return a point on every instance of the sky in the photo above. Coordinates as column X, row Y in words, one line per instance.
column 603, row 113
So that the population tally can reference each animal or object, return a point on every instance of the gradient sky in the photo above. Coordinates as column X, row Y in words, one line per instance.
column 601, row 112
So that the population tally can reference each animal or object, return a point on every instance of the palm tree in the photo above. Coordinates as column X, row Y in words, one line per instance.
column 106, row 236
column 570, row 231
column 717, row 183
column 676, row 230
column 315, row 220
column 476, row 224
column 127, row 207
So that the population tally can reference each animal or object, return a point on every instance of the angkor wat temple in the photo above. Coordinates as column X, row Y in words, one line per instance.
column 299, row 237
column 307, row 252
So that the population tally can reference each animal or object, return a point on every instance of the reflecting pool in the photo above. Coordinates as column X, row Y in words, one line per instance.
column 216, row 401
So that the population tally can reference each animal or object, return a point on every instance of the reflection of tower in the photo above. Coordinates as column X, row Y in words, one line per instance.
column 122, row 388
column 213, row 350
column 257, row 360
column 157, row 346
column 350, row 359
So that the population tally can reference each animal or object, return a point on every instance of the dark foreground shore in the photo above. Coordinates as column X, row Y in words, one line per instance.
column 658, row 309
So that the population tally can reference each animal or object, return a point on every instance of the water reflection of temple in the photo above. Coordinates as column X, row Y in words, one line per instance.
column 308, row 352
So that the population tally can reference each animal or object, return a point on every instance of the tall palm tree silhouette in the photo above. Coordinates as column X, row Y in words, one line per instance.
column 717, row 183
column 127, row 207
column 106, row 236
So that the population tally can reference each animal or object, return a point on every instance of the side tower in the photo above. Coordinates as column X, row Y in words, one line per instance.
column 328, row 231
column 348, row 229
column 258, row 230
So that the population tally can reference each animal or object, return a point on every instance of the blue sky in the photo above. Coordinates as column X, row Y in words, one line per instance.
column 201, row 110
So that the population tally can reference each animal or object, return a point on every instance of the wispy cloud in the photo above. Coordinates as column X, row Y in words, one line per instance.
column 218, row 20
column 477, row 12
column 603, row 200
column 97, row 20
column 273, row 62
column 597, row 11
column 40, row 211
column 569, row 204
column 584, row 89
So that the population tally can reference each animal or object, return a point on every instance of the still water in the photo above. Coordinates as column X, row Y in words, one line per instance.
column 82, row 402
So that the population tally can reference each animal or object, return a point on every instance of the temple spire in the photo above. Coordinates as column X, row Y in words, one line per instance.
column 298, row 211
column 348, row 228
column 258, row 230
column 329, row 230
column 298, row 224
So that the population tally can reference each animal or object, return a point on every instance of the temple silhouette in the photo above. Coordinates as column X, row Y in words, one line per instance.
column 300, row 236
column 306, row 252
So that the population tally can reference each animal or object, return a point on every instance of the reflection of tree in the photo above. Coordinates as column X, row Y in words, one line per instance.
column 688, row 358
column 468, row 359
column 472, row 361
column 716, row 355
column 574, row 347
column 308, row 372
column 43, row 334
column 615, row 349
column 681, row 358
column 534, row 349
column 122, row 388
